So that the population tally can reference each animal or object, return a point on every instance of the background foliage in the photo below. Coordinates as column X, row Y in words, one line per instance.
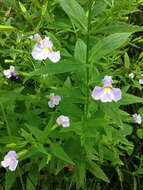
column 102, row 148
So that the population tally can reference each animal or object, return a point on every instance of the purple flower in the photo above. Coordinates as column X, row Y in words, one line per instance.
column 43, row 49
column 106, row 93
column 10, row 160
column 10, row 72
column 30, row 37
column 137, row 118
column 131, row 75
column 63, row 120
column 54, row 100
column 141, row 81
column 38, row 38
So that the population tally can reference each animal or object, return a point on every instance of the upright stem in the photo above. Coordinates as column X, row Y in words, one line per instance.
column 87, row 61
column 5, row 119
column 21, row 180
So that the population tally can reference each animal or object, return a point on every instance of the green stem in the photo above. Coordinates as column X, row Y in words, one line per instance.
column 87, row 62
column 21, row 180
column 5, row 119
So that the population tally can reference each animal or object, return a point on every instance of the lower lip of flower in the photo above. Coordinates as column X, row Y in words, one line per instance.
column 46, row 49
column 107, row 89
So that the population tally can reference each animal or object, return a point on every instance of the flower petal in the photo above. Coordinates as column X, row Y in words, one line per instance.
column 97, row 93
column 47, row 43
column 54, row 56
column 12, row 68
column 39, row 54
column 5, row 163
column 116, row 94
column 13, row 165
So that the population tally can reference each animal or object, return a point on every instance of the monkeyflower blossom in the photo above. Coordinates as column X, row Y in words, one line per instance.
column 10, row 160
column 137, row 118
column 141, row 81
column 131, row 75
column 10, row 72
column 43, row 49
column 30, row 37
column 106, row 93
column 54, row 100
column 63, row 120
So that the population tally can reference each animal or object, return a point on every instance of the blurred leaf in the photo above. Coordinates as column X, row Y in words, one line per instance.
column 32, row 178
column 25, row 13
column 108, row 45
column 127, row 60
column 59, row 152
column 97, row 171
column 119, row 28
column 140, row 133
column 5, row 28
column 129, row 99
column 10, row 178
column 61, row 67
column 76, row 12
column 80, row 51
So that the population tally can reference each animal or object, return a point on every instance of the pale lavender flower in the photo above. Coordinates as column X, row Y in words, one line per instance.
column 10, row 160
column 43, row 49
column 38, row 38
column 54, row 100
column 106, row 93
column 141, row 81
column 63, row 120
column 137, row 118
column 131, row 75
column 30, row 37
column 10, row 72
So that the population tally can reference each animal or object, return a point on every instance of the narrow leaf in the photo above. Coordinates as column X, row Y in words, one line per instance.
column 59, row 152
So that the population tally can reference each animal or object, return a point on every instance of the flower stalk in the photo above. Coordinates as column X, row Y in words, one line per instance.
column 86, row 109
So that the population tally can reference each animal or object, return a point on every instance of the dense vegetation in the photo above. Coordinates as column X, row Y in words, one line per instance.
column 71, row 94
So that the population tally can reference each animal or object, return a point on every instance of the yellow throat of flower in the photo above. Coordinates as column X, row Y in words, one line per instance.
column 9, row 159
column 40, row 41
column 53, row 99
column 46, row 49
column 107, row 89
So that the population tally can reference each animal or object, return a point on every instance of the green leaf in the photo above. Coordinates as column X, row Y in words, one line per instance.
column 5, row 28
column 127, row 60
column 10, row 178
column 108, row 45
column 119, row 28
column 25, row 13
column 40, row 135
column 129, row 99
column 111, row 110
column 59, row 152
column 61, row 67
column 140, row 133
column 80, row 172
column 80, row 51
column 9, row 96
column 76, row 12
column 97, row 171
column 32, row 178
